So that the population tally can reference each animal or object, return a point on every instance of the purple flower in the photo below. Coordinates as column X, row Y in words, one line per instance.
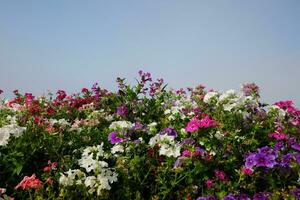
column 113, row 138
column 169, row 131
column 261, row 196
column 138, row 126
column 211, row 197
column 286, row 159
column 137, row 141
column 250, row 160
column 296, row 193
column 198, row 151
column 297, row 157
column 229, row 197
column 187, row 141
column 122, row 110
column 278, row 146
column 242, row 196
column 296, row 146
column 178, row 162
column 263, row 160
column 201, row 198
column 267, row 150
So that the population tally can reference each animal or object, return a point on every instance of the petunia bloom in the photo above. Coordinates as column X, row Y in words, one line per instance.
column 29, row 183
column 113, row 138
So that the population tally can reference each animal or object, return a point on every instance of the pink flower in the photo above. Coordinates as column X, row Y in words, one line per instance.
column 2, row 190
column 209, row 183
column 247, row 170
column 207, row 122
column 51, row 165
column 193, row 125
column 47, row 169
column 220, row 174
column 278, row 135
column 29, row 182
column 284, row 104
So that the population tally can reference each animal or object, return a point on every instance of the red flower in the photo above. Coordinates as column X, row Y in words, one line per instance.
column 47, row 169
column 84, row 90
column 29, row 182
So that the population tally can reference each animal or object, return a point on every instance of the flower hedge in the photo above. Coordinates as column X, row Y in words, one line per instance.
column 148, row 142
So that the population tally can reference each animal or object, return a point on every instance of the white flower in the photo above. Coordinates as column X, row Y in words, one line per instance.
column 120, row 125
column 4, row 137
column 70, row 177
column 109, row 118
column 207, row 98
column 167, row 111
column 168, row 146
column 101, row 176
column 226, row 95
column 90, row 181
column 10, row 130
column 154, row 140
column 170, row 150
column 153, row 124
column 281, row 112
column 219, row 135
column 117, row 148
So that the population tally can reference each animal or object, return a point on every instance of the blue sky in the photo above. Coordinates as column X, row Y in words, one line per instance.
column 50, row 45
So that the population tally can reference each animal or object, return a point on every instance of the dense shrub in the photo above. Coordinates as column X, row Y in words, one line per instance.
column 147, row 142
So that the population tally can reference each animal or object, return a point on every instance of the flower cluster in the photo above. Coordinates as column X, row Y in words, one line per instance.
column 29, row 183
column 9, row 130
column 149, row 142
column 265, row 157
column 97, row 176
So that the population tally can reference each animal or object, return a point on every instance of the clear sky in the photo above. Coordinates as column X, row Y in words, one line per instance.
column 60, row 44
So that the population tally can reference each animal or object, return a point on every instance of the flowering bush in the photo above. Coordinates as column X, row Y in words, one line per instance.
column 147, row 142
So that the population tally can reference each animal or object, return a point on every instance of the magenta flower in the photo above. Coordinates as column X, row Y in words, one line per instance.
column 278, row 135
column 207, row 122
column 247, row 170
column 122, row 110
column 209, row 183
column 220, row 174
column 284, row 104
column 113, row 138
column 187, row 153
column 193, row 125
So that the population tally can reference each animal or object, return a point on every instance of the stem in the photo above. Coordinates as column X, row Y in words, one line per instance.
column 30, row 196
